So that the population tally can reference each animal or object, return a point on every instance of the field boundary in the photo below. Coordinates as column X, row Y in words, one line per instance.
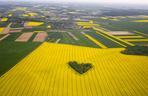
column 111, row 39
column 104, row 32
column 94, row 40
column 4, row 37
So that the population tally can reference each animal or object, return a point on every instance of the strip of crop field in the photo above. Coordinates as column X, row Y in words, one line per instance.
column 105, row 41
column 141, row 33
column 121, row 33
column 67, row 39
column 141, row 43
column 24, row 37
column 94, row 40
column 40, row 37
column 33, row 23
column 111, row 39
column 1, row 29
column 104, row 32
column 83, row 41
column 32, row 37
column 141, row 21
column 4, row 19
column 45, row 72
column 136, row 40
column 123, row 37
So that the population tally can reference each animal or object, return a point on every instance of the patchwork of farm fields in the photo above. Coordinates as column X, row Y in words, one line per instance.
column 76, row 37
column 34, row 58
column 124, row 24
column 45, row 72
column 96, row 37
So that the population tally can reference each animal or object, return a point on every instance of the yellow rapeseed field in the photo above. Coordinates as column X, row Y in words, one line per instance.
column 49, row 26
column 106, row 33
column 45, row 72
column 88, row 24
column 105, row 18
column 143, row 16
column 114, row 19
column 95, row 41
column 32, row 14
column 4, row 19
column 1, row 29
column 144, row 21
column 43, row 16
column 38, row 31
column 34, row 23
column 10, row 14
column 137, row 40
column 21, row 8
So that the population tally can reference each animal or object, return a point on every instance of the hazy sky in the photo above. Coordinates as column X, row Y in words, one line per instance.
column 94, row 1
column 111, row 1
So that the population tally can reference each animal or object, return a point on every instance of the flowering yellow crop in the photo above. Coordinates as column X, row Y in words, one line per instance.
column 137, row 40
column 114, row 19
column 45, row 72
column 1, row 29
column 105, row 32
column 9, row 15
column 34, row 23
column 95, row 41
column 32, row 14
column 21, row 8
column 88, row 24
column 104, row 18
column 49, row 26
column 4, row 19
column 38, row 31
column 145, row 21
column 86, row 27
column 143, row 16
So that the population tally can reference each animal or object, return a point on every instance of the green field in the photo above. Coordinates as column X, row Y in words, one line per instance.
column 103, row 40
column 12, row 52
column 125, row 24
